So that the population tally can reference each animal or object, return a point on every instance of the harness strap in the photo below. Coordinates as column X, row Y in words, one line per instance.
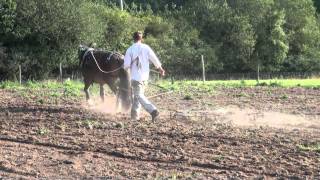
column 106, row 72
column 109, row 57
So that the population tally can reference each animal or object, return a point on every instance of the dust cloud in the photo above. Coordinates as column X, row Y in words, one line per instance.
column 109, row 106
column 244, row 117
column 252, row 117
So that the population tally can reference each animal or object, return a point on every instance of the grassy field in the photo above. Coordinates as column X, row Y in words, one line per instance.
column 53, row 91
column 47, row 91
column 210, row 85
column 54, row 88
column 74, row 88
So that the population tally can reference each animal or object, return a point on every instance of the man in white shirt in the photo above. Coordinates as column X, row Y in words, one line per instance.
column 137, row 59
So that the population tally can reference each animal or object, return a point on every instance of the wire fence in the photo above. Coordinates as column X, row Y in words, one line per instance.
column 247, row 76
column 76, row 75
column 63, row 73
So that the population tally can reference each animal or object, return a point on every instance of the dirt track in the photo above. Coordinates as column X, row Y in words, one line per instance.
column 193, row 139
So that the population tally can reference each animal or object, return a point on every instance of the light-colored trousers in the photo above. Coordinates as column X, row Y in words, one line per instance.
column 140, row 99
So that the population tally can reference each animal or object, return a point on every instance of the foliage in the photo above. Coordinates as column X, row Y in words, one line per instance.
column 233, row 36
column 303, row 32
column 317, row 5
column 43, row 36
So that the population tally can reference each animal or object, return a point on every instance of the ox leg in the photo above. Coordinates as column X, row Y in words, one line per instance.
column 86, row 90
column 112, row 86
column 118, row 105
column 102, row 92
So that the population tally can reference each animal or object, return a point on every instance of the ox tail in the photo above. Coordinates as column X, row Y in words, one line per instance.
column 125, row 94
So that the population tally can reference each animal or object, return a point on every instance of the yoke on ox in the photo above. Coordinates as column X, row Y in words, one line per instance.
column 105, row 68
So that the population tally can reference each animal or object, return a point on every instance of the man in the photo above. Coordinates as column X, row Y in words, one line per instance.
column 137, row 59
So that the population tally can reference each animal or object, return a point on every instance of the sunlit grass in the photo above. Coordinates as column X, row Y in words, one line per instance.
column 209, row 85
column 51, row 87
column 50, row 91
column 72, row 88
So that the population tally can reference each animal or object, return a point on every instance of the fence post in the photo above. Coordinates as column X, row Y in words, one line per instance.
column 258, row 72
column 203, row 70
column 20, row 76
column 121, row 5
column 172, row 80
column 60, row 70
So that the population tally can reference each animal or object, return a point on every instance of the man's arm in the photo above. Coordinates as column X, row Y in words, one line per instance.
column 155, row 61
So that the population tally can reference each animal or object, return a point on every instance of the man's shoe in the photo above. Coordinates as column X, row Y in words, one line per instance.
column 154, row 115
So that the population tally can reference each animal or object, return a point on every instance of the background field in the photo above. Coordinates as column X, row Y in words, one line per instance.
column 240, row 129
column 220, row 129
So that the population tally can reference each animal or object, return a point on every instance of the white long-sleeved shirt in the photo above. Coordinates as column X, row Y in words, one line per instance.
column 137, row 58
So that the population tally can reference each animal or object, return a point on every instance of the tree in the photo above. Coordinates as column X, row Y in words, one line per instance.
column 317, row 5
column 45, row 33
column 230, row 33
column 303, row 31
column 7, row 16
column 233, row 35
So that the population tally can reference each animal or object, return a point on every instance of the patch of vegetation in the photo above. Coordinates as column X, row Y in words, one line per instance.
column 316, row 87
column 275, row 84
column 50, row 91
column 284, row 96
column 242, row 94
column 183, row 85
column 243, row 83
column 62, row 126
column 188, row 97
column 311, row 147
column 32, row 85
column 175, row 175
column 9, row 85
column 120, row 125
column 218, row 158
column 262, row 84
column 43, row 131
column 91, row 124
column 71, row 89
column 41, row 101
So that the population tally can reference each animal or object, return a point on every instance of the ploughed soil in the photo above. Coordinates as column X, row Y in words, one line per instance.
column 242, row 133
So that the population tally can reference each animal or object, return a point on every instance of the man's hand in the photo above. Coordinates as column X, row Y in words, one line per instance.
column 162, row 71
